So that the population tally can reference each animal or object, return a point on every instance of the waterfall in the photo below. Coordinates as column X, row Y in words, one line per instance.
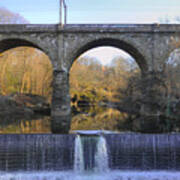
column 101, row 156
column 90, row 154
column 36, row 152
column 133, row 151
column 78, row 155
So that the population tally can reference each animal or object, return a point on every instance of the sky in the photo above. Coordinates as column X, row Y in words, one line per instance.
column 96, row 11
column 106, row 54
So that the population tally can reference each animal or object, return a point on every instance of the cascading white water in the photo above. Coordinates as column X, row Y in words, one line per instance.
column 101, row 156
column 112, row 175
column 78, row 156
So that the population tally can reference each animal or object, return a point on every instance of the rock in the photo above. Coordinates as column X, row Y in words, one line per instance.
column 38, row 104
column 11, row 112
column 22, row 106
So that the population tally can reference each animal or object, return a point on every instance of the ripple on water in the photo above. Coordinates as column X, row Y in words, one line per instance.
column 113, row 175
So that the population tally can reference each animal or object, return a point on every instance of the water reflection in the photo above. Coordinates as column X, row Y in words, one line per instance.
column 92, row 117
column 36, row 125
column 97, row 117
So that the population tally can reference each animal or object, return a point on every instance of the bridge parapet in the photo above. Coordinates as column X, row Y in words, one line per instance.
column 23, row 28
column 149, row 28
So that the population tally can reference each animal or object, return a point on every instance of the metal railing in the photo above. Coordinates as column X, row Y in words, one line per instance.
column 63, row 11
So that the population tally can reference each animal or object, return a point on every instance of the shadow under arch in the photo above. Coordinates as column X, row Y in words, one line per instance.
column 139, row 58
column 7, row 44
column 11, row 43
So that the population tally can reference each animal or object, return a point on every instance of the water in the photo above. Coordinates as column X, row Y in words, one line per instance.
column 36, row 152
column 144, row 151
column 78, row 157
column 93, row 132
column 101, row 156
column 127, row 156
column 90, row 152
column 113, row 175
column 37, row 124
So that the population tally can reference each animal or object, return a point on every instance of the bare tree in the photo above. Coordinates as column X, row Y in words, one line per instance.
column 8, row 17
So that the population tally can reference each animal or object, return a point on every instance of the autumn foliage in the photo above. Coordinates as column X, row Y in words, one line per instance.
column 25, row 70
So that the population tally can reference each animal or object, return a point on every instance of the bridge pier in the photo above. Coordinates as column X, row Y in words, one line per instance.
column 60, row 110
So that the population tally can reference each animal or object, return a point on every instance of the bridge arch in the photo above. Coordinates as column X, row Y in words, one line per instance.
column 44, row 61
column 127, row 47
column 77, row 94
column 7, row 44
column 10, row 43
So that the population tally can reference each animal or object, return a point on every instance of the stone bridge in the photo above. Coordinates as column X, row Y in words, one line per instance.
column 149, row 44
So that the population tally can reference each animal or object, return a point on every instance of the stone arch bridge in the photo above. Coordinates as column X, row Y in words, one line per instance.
column 149, row 44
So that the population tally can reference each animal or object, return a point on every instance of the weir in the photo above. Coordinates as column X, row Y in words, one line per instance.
column 126, row 156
